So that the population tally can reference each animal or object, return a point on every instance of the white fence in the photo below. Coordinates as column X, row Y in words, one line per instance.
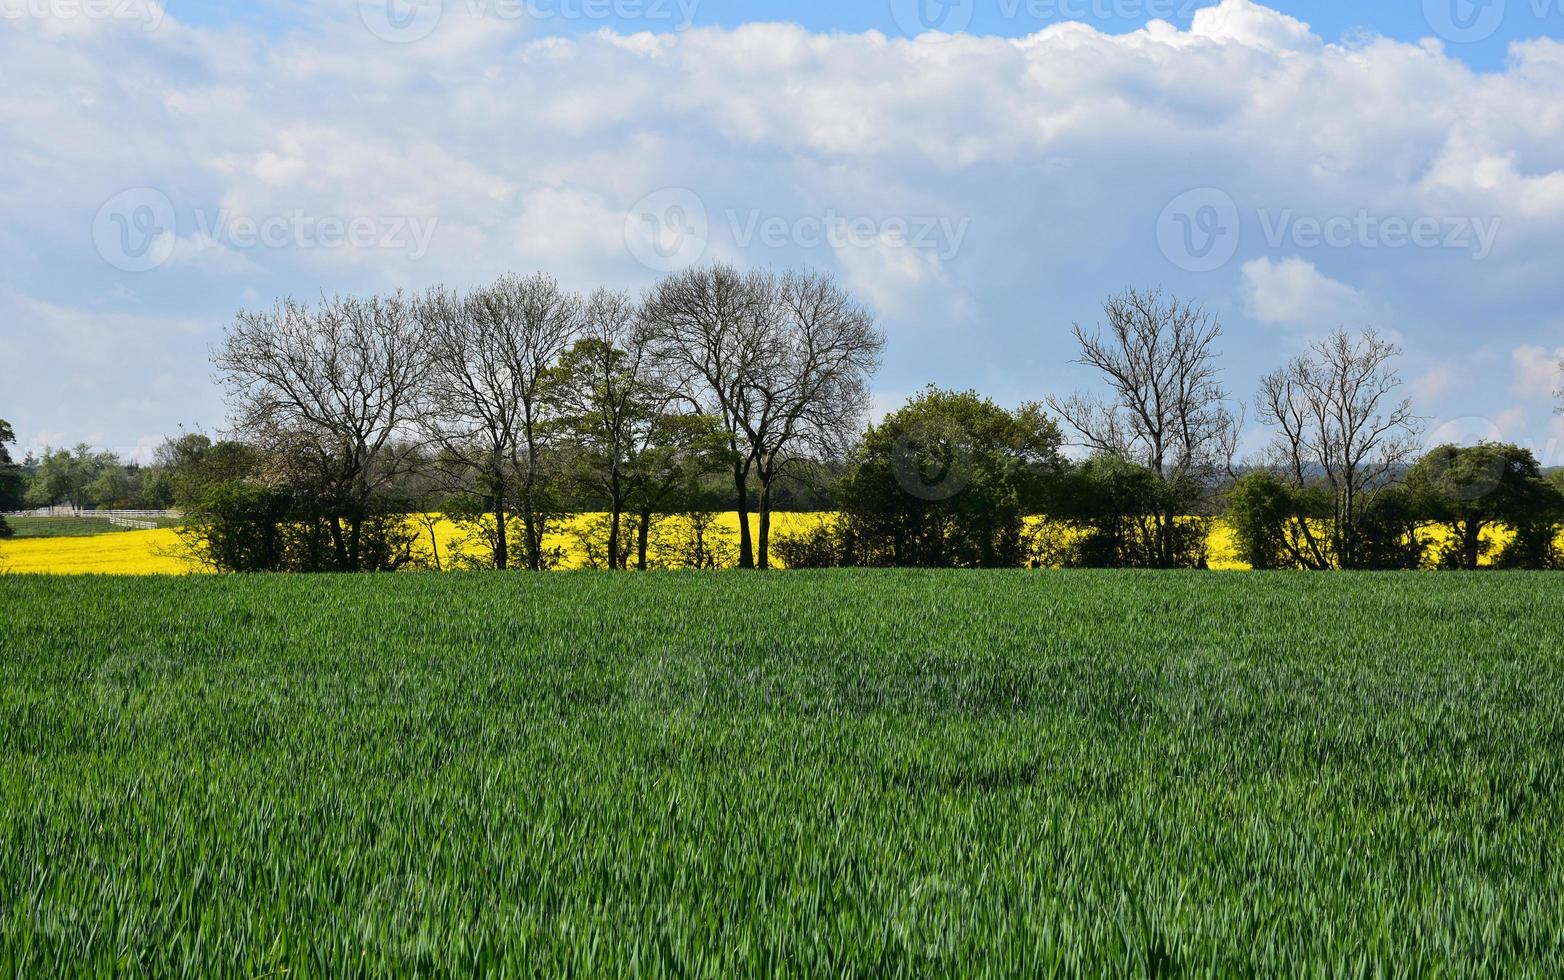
column 143, row 520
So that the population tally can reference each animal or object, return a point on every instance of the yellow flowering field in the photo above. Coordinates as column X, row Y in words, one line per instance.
column 121, row 553
column 158, row 552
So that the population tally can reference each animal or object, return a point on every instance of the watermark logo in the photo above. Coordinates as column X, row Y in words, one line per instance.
column 401, row 21
column 148, row 13
column 136, row 230
column 933, row 918
column 932, row 19
column 1475, row 480
column 300, row 229
column 1199, row 231
column 1464, row 21
column 1365, row 229
column 131, row 685
column 407, row 21
column 942, row 236
column 668, row 689
column 937, row 20
column 402, row 914
column 932, row 460
column 668, row 229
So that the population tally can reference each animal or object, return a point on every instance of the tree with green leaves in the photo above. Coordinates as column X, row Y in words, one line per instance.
column 1471, row 489
column 185, row 466
column 1259, row 509
column 66, row 476
column 948, row 481
column 604, row 390
column 1118, row 509
column 13, row 482
column 1535, row 544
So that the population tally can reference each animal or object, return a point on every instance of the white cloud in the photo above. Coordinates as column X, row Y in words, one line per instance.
column 1511, row 423
column 1537, row 371
column 1434, row 383
column 1061, row 149
column 1293, row 292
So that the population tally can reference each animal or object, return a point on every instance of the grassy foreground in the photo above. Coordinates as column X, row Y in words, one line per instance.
column 868, row 774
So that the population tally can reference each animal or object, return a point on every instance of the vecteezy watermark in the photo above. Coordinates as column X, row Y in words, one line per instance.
column 1474, row 21
column 300, row 229
column 932, row 20
column 148, row 13
column 668, row 229
column 943, row 236
column 1464, row 21
column 671, row 228
column 137, row 230
column 407, row 21
column 932, row 460
column 1200, row 230
column 1365, row 229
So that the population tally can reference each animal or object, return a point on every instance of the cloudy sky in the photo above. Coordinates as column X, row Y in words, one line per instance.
column 983, row 172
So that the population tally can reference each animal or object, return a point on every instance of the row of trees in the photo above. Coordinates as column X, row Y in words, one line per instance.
column 513, row 405
column 518, row 402
column 12, row 479
column 81, row 478
column 1344, row 483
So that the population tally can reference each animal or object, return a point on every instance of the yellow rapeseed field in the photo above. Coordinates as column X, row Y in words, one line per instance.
column 121, row 553
column 158, row 552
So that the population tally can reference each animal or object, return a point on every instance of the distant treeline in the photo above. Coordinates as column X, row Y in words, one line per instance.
column 513, row 405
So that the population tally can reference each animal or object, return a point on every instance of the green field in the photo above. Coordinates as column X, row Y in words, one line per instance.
column 73, row 527
column 853, row 774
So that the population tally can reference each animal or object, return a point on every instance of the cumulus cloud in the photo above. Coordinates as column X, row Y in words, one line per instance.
column 1537, row 371
column 1059, row 151
column 1293, row 292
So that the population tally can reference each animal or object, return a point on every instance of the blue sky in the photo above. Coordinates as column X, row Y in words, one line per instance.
column 1498, row 22
column 1295, row 167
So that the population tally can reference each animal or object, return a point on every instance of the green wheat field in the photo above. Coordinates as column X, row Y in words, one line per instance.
column 844, row 774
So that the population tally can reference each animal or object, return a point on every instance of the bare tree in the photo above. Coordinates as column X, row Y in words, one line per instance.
column 1166, row 409
column 327, row 392
column 811, row 394
column 530, row 322
column 783, row 361
column 710, row 329
column 1341, row 429
column 472, row 405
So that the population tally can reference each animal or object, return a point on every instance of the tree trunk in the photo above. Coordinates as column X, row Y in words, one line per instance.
column 763, row 557
column 614, row 560
column 356, row 542
column 1471, row 540
column 501, row 538
column 529, row 522
column 1165, row 556
column 640, row 541
column 746, row 545
column 338, row 544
